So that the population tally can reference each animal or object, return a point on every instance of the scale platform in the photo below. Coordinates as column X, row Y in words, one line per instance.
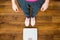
column 30, row 34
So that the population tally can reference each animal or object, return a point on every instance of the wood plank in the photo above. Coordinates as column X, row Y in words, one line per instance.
column 12, row 23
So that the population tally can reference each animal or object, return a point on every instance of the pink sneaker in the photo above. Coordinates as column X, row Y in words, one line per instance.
column 27, row 21
column 32, row 21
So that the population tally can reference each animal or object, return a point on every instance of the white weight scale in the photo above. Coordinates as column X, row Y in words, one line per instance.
column 30, row 34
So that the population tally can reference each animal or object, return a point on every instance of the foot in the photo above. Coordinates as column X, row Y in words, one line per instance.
column 27, row 20
column 32, row 21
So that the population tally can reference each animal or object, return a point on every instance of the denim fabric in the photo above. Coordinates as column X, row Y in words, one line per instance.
column 25, row 6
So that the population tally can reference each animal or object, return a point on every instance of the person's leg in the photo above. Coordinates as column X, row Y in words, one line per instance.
column 35, row 7
column 25, row 7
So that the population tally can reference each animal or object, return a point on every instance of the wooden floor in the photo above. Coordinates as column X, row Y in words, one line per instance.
column 12, row 24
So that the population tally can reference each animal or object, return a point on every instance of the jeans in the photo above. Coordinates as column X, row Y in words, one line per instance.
column 30, row 8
